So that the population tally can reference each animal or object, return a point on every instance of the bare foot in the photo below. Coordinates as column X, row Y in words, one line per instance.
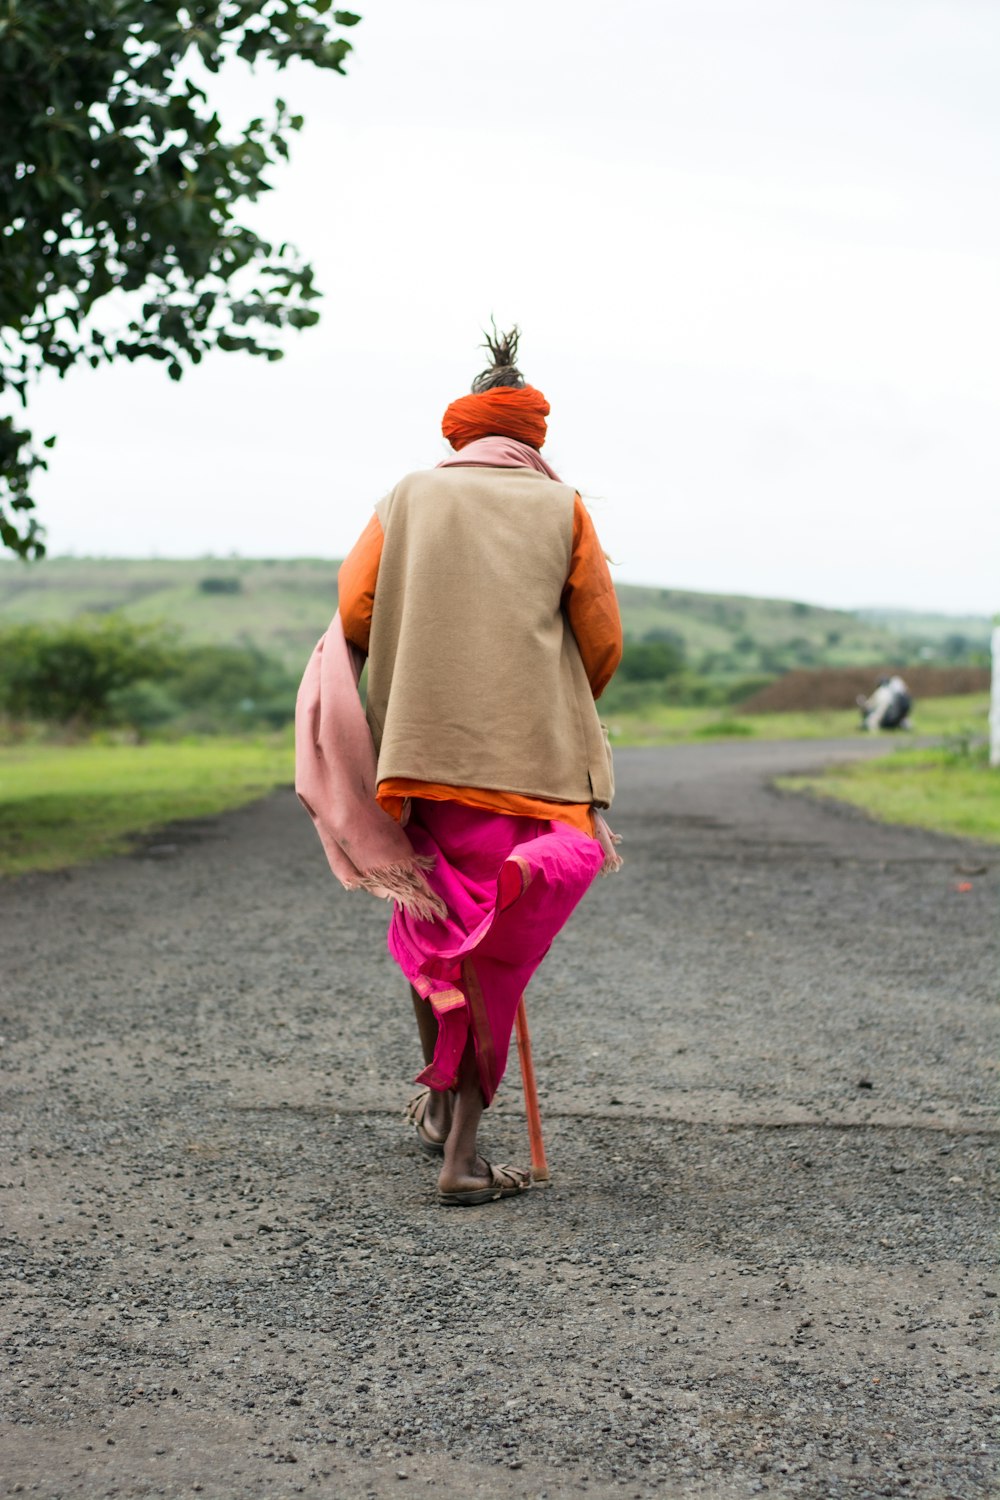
column 437, row 1116
column 431, row 1113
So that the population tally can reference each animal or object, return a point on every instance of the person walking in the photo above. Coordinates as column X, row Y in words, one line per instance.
column 482, row 600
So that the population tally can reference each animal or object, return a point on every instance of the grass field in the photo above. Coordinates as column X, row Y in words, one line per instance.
column 64, row 806
column 921, row 788
column 661, row 724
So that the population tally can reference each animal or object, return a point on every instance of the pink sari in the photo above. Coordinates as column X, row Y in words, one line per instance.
column 509, row 884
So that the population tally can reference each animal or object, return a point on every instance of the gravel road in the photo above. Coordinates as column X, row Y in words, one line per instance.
column 767, row 1060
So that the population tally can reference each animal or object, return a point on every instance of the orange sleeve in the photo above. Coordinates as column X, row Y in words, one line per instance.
column 356, row 584
column 591, row 604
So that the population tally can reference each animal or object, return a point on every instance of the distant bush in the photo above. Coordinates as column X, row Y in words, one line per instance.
column 726, row 612
column 724, row 729
column 686, row 688
column 663, row 633
column 109, row 672
column 743, row 687
column 227, row 686
column 954, row 650
column 221, row 585
column 801, row 651
column 957, row 648
column 71, row 673
column 143, row 706
column 650, row 661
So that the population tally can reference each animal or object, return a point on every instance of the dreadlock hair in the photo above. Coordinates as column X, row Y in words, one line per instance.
column 503, row 371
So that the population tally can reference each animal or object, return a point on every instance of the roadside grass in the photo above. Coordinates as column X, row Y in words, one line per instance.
column 668, row 724
column 943, row 790
column 62, row 806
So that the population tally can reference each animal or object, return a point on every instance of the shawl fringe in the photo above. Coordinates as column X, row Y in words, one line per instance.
column 607, row 840
column 405, row 884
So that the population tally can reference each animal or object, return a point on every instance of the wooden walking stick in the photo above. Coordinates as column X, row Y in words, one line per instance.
column 539, row 1166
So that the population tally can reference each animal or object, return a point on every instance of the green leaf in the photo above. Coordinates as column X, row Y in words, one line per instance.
column 117, row 176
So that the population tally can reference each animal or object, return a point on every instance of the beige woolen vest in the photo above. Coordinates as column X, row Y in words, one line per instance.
column 474, row 675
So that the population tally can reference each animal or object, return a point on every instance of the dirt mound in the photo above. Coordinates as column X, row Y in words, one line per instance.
column 837, row 687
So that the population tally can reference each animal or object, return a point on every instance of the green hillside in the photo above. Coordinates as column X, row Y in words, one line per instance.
column 952, row 636
column 284, row 605
column 732, row 632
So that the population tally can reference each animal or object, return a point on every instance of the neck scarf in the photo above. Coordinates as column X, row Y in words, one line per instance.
column 503, row 411
column 499, row 453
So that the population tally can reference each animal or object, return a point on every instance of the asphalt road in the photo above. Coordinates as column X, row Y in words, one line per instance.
column 768, row 1070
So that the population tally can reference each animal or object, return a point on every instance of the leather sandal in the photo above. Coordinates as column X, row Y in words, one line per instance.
column 505, row 1182
column 415, row 1112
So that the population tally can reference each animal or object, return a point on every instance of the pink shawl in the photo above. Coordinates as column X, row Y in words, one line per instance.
column 335, row 778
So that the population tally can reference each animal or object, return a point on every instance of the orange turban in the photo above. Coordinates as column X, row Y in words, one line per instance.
column 504, row 411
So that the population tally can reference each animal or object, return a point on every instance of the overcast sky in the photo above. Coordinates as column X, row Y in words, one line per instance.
column 753, row 251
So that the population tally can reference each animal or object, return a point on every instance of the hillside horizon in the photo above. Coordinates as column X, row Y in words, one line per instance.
column 280, row 606
column 873, row 611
